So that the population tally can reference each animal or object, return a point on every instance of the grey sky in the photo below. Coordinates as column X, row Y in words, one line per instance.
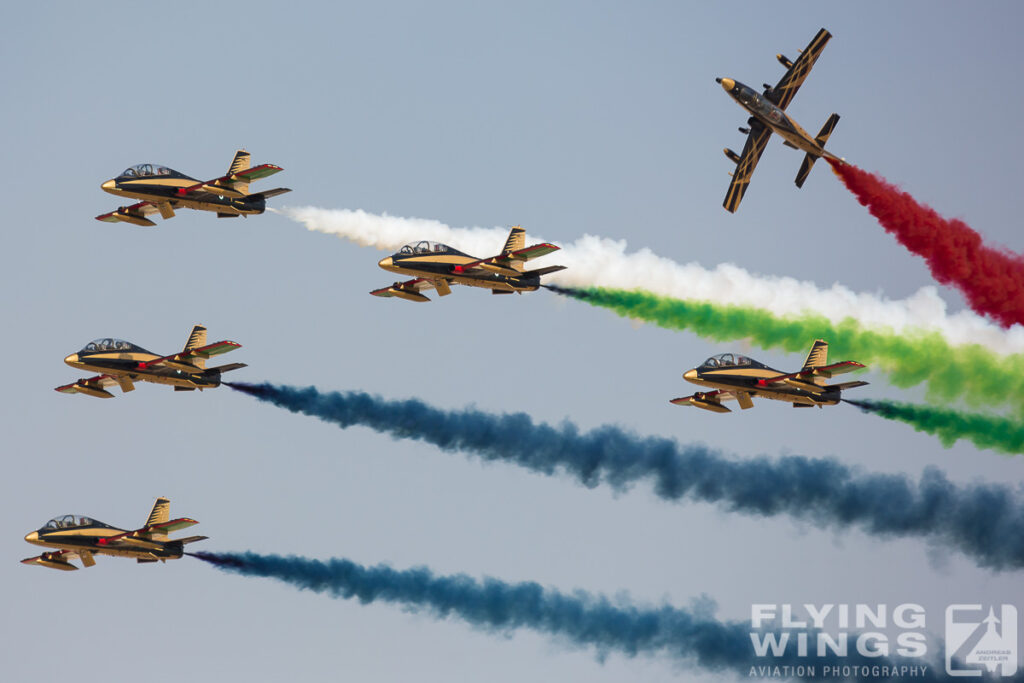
column 568, row 118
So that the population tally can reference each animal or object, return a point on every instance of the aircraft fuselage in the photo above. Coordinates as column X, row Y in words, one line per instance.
column 167, row 188
column 448, row 266
column 748, row 379
column 93, row 539
column 131, row 364
column 774, row 118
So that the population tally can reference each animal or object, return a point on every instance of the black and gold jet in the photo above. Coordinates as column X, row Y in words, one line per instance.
column 736, row 377
column 163, row 190
column 123, row 363
column 768, row 115
column 438, row 266
column 78, row 536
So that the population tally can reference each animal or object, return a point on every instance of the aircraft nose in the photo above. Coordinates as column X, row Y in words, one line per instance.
column 690, row 375
column 727, row 83
column 385, row 262
column 109, row 185
column 32, row 537
column 72, row 359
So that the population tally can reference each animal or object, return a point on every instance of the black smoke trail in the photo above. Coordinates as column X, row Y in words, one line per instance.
column 579, row 618
column 983, row 521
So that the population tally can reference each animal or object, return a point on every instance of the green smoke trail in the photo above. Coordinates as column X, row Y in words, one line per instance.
column 985, row 431
column 968, row 372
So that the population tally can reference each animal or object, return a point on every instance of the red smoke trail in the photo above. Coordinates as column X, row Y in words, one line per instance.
column 991, row 279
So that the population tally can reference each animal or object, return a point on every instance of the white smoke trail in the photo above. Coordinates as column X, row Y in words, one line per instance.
column 602, row 262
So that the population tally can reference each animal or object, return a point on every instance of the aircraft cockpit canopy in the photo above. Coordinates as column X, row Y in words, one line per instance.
column 728, row 360
column 71, row 521
column 146, row 170
column 424, row 247
column 110, row 344
column 757, row 102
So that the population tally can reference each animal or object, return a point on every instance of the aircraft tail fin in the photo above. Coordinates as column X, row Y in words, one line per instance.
column 821, row 139
column 816, row 358
column 196, row 340
column 160, row 514
column 238, row 164
column 516, row 240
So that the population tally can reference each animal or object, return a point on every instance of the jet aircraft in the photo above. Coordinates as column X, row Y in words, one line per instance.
column 83, row 537
column 124, row 363
column 768, row 115
column 737, row 377
column 438, row 266
column 163, row 190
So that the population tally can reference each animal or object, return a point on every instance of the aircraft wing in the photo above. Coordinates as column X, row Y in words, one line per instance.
column 710, row 400
column 410, row 289
column 531, row 252
column 168, row 526
column 182, row 361
column 225, row 185
column 136, row 214
column 142, row 538
column 784, row 91
column 821, row 371
column 61, row 559
column 757, row 139
column 804, row 379
column 508, row 262
column 91, row 386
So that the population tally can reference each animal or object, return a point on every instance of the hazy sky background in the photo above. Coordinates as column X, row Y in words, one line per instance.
column 567, row 118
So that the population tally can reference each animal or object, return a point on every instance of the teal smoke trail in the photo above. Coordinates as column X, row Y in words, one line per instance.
column 984, row 431
column 984, row 521
column 579, row 618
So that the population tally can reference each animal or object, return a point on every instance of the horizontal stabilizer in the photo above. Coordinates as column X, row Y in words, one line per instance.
column 270, row 193
column 542, row 271
column 190, row 539
column 847, row 385
column 226, row 368
column 805, row 168
column 826, row 130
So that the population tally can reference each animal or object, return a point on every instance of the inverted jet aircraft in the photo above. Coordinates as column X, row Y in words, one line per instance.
column 438, row 266
column 123, row 363
column 768, row 115
column 737, row 377
column 163, row 190
column 83, row 537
